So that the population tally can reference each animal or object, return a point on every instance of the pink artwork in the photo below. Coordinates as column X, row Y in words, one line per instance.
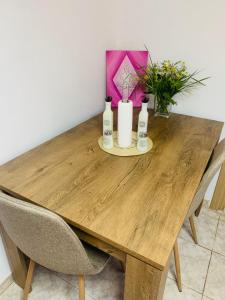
column 121, row 72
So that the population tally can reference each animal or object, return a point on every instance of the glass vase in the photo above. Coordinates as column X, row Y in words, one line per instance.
column 161, row 107
column 150, row 100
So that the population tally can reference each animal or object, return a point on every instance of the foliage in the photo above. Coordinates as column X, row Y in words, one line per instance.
column 166, row 79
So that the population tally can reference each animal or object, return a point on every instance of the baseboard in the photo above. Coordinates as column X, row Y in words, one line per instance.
column 6, row 283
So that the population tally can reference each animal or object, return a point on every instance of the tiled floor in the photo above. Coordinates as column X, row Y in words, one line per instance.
column 203, row 270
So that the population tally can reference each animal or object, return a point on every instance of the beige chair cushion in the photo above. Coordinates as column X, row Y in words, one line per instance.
column 216, row 162
column 97, row 258
column 45, row 238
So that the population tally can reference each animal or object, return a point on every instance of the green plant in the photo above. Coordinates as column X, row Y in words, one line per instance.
column 165, row 80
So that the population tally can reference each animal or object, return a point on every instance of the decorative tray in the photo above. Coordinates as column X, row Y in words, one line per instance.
column 131, row 151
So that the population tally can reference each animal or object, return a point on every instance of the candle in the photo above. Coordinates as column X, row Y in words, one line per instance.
column 125, row 122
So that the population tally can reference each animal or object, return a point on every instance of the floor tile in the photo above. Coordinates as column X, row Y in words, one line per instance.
column 222, row 214
column 215, row 287
column 5, row 285
column 207, row 210
column 12, row 293
column 222, row 217
column 107, row 285
column 45, row 286
column 194, row 265
column 219, row 244
column 206, row 226
column 172, row 293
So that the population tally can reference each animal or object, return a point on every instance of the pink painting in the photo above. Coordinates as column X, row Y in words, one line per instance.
column 121, row 72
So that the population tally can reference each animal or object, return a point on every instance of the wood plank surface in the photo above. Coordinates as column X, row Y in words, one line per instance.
column 136, row 204
column 143, row 281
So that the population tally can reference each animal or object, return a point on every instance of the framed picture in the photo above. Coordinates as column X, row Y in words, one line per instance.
column 121, row 75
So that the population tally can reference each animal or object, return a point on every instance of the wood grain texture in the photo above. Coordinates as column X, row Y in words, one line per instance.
column 29, row 279
column 136, row 204
column 81, row 280
column 89, row 239
column 143, row 281
column 177, row 266
column 218, row 201
column 16, row 259
column 193, row 229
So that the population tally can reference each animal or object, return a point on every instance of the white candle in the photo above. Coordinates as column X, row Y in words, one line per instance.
column 125, row 121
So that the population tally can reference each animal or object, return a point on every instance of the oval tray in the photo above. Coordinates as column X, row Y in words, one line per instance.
column 116, row 150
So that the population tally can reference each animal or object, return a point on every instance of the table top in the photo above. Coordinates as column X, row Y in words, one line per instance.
column 137, row 204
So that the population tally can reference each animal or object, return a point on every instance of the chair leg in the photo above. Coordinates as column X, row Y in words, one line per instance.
column 198, row 210
column 29, row 279
column 194, row 234
column 177, row 265
column 81, row 287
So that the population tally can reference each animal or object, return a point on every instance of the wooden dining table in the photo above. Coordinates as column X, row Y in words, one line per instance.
column 130, row 207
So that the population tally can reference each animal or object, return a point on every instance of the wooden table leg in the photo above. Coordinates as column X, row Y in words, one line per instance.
column 142, row 281
column 16, row 259
column 218, row 201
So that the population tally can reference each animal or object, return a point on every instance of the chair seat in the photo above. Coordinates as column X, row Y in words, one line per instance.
column 97, row 257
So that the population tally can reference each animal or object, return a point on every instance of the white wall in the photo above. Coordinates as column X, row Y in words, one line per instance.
column 51, row 71
column 192, row 31
column 4, row 266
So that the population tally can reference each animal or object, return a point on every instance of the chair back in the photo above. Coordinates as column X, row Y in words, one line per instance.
column 43, row 236
column 218, row 158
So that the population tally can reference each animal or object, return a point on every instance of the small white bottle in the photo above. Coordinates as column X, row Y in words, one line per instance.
column 108, row 124
column 142, row 141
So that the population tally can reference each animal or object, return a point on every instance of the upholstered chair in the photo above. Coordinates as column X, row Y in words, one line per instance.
column 47, row 240
column 218, row 158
